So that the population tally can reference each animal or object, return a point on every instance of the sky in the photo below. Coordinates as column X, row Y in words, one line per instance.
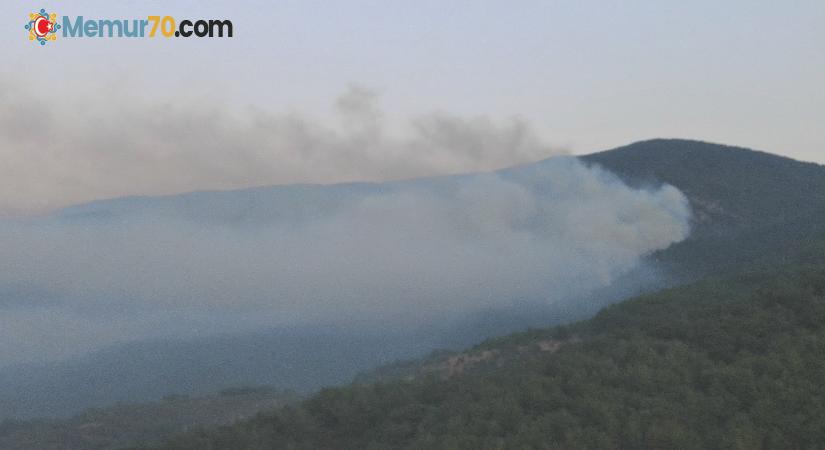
column 78, row 117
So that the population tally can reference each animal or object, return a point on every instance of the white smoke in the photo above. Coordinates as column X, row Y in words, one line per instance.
column 57, row 151
column 399, row 253
column 402, row 253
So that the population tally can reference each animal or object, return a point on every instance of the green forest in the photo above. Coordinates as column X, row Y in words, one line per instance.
column 731, row 355
column 735, row 362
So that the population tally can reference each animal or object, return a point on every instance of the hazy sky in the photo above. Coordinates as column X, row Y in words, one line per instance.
column 584, row 75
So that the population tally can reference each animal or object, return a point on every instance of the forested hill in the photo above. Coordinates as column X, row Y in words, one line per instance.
column 730, row 188
column 753, row 211
column 734, row 359
column 750, row 209
column 735, row 362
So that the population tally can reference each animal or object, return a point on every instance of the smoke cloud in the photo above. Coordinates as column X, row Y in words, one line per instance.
column 399, row 254
column 58, row 151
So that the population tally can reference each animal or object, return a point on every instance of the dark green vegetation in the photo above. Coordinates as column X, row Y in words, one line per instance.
column 128, row 424
column 751, row 209
column 728, row 363
column 734, row 360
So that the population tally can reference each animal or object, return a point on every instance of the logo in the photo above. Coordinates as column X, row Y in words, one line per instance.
column 42, row 26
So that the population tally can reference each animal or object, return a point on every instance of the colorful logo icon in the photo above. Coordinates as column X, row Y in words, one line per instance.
column 42, row 26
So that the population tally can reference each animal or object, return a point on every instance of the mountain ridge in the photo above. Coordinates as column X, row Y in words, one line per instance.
column 710, row 244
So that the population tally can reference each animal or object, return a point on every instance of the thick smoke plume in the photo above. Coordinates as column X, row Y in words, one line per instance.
column 58, row 151
column 398, row 254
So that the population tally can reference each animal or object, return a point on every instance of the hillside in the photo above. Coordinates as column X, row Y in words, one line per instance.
column 731, row 361
column 752, row 211
column 766, row 217
column 750, row 208
column 731, row 189
column 261, row 286
column 725, row 363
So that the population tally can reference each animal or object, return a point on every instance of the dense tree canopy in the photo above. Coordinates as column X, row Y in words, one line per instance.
column 735, row 362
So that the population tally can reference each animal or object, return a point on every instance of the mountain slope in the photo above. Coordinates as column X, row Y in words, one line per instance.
column 732, row 362
column 730, row 188
column 752, row 210
column 750, row 207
